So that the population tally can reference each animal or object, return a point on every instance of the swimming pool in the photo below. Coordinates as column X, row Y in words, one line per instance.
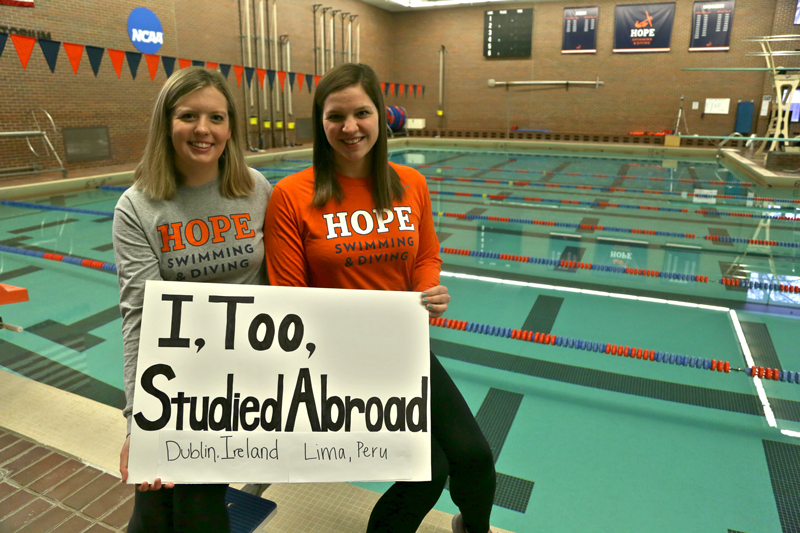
column 603, row 253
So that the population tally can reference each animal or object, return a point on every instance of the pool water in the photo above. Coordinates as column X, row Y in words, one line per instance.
column 583, row 440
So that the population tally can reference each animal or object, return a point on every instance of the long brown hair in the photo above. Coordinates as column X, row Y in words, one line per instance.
column 155, row 174
column 386, row 186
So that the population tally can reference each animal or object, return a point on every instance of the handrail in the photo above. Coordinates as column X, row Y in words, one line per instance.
column 596, row 83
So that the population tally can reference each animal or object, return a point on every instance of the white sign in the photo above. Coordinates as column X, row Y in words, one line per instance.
column 765, row 105
column 717, row 106
column 258, row 384
column 705, row 196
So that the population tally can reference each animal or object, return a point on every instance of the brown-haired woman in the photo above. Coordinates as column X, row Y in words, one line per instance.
column 352, row 197
column 193, row 196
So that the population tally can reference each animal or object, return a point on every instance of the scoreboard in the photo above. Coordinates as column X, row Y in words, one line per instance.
column 507, row 33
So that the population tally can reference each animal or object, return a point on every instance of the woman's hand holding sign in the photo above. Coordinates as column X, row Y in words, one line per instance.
column 123, row 469
column 435, row 300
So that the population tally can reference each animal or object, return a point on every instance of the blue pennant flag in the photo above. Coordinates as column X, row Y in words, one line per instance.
column 50, row 50
column 169, row 64
column 225, row 69
column 249, row 73
column 197, row 63
column 271, row 78
column 133, row 62
column 95, row 54
column 291, row 80
column 3, row 39
column 309, row 82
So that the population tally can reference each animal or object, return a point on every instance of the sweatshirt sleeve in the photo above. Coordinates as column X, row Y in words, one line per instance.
column 428, row 265
column 286, row 257
column 136, row 263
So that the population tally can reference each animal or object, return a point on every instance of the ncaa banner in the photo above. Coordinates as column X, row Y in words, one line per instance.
column 643, row 27
column 711, row 26
column 18, row 3
column 580, row 30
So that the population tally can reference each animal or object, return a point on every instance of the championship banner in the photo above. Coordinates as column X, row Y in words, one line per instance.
column 18, row 3
column 260, row 384
column 711, row 26
column 643, row 27
column 580, row 30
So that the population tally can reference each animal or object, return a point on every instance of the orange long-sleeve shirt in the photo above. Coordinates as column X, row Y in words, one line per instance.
column 350, row 245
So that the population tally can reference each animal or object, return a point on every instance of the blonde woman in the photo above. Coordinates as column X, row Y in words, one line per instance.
column 195, row 213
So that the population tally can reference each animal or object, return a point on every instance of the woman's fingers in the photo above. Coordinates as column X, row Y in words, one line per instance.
column 436, row 300
column 156, row 485
column 123, row 459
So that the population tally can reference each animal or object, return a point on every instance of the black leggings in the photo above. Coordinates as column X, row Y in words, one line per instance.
column 182, row 509
column 458, row 449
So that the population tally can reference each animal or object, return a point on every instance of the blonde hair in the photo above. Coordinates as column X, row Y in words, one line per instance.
column 156, row 174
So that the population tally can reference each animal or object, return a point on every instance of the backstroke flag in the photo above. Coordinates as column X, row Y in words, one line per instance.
column 643, row 27
column 18, row 3
column 711, row 26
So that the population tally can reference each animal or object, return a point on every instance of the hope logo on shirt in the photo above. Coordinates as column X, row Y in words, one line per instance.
column 364, row 222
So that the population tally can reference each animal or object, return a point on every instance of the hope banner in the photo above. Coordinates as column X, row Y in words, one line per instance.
column 643, row 27
column 580, row 30
column 711, row 26
column 259, row 384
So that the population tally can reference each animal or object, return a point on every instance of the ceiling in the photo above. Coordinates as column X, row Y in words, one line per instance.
column 390, row 5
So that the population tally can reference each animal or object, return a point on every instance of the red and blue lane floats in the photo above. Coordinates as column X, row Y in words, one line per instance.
column 570, row 225
column 773, row 374
column 700, row 363
column 89, row 263
column 577, row 265
column 760, row 285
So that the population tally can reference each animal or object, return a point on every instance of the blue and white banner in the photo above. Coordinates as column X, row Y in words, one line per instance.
column 580, row 30
column 643, row 27
column 711, row 26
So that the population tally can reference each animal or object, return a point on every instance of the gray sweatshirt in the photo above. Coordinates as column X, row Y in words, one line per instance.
column 198, row 235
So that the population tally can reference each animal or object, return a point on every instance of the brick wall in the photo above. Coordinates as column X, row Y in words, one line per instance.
column 641, row 91
column 193, row 29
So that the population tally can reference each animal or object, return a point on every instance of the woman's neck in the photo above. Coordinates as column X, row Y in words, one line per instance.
column 354, row 169
column 194, row 177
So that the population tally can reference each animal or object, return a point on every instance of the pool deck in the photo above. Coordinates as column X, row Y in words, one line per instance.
column 59, row 455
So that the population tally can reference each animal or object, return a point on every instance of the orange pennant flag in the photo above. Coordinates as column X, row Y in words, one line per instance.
column 316, row 80
column 391, row 89
column 261, row 72
column 282, row 78
column 24, row 46
column 211, row 65
column 184, row 63
column 117, row 56
column 401, row 89
column 152, row 64
column 75, row 53
column 383, row 87
column 300, row 82
column 238, row 70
